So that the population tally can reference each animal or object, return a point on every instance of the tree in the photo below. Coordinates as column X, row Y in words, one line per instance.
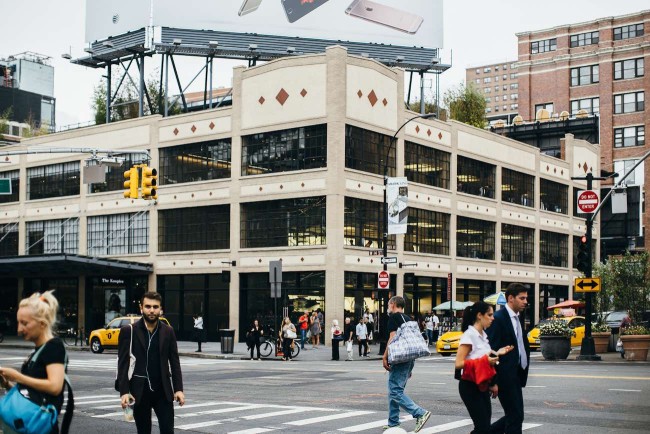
column 5, row 117
column 466, row 105
column 429, row 107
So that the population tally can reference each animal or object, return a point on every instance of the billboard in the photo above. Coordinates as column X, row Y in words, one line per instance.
column 415, row 23
column 397, row 197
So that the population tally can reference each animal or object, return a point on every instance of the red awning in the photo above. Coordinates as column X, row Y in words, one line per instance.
column 568, row 303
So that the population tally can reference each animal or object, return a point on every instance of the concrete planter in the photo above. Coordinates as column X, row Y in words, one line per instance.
column 636, row 347
column 601, row 341
column 555, row 347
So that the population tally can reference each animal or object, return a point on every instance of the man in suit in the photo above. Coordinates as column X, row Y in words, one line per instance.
column 154, row 347
column 512, row 371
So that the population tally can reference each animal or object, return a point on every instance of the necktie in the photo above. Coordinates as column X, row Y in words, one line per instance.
column 523, row 360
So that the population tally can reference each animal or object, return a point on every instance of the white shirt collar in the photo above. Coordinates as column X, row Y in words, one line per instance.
column 476, row 332
column 511, row 312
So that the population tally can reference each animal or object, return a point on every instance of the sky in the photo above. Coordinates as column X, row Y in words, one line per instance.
column 475, row 33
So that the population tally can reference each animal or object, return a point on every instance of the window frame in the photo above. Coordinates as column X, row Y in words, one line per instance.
column 620, row 69
column 578, row 73
column 621, row 106
column 620, row 136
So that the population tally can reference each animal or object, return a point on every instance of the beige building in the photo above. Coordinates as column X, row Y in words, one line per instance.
column 292, row 171
column 498, row 84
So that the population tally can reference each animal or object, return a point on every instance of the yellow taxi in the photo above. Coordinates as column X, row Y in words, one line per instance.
column 576, row 323
column 101, row 339
column 448, row 343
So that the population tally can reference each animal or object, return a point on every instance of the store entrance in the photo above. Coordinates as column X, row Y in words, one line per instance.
column 110, row 297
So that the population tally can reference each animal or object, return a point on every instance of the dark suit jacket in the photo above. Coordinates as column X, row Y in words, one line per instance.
column 500, row 334
column 170, row 365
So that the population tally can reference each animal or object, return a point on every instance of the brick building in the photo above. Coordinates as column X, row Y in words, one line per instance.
column 498, row 84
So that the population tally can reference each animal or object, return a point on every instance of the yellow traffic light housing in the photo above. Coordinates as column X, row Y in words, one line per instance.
column 149, row 183
column 131, row 183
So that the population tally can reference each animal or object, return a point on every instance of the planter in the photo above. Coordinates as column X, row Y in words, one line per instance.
column 636, row 346
column 555, row 347
column 601, row 341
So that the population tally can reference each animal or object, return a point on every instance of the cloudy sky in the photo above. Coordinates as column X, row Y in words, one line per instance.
column 476, row 32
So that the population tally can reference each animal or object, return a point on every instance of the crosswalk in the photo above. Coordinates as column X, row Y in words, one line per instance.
column 233, row 417
column 110, row 364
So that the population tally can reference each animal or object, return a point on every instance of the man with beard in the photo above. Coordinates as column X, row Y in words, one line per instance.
column 153, row 343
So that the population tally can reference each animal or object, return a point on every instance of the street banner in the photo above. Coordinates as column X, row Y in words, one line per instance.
column 397, row 193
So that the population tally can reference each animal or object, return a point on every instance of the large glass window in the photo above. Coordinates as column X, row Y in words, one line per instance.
column 9, row 239
column 428, row 232
column 629, row 102
column 55, row 180
column 367, row 150
column 283, row 223
column 426, row 165
column 583, row 39
column 475, row 177
column 590, row 105
column 517, row 244
column 118, row 234
column 285, row 150
column 13, row 175
column 584, row 75
column 626, row 32
column 629, row 136
column 115, row 175
column 52, row 236
column 196, row 228
column 553, row 249
column 195, row 162
column 550, row 295
column 553, row 196
column 631, row 68
column 543, row 46
column 517, row 187
column 475, row 238
column 364, row 224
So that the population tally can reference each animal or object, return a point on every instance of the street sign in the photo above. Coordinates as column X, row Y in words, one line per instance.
column 587, row 284
column 375, row 252
column 5, row 186
column 389, row 260
column 449, row 283
column 587, row 201
column 275, row 278
column 383, row 279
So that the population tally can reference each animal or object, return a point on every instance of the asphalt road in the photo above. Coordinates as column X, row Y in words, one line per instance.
column 241, row 396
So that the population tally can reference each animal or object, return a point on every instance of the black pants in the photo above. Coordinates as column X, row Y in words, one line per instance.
column 363, row 343
column 478, row 405
column 286, row 347
column 335, row 349
column 256, row 345
column 512, row 401
column 164, row 412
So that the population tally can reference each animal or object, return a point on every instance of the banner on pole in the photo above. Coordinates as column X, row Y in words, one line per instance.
column 397, row 193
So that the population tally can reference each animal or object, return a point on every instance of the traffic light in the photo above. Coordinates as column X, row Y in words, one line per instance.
column 149, row 177
column 583, row 255
column 131, row 183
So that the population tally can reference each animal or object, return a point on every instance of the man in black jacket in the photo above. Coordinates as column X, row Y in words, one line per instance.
column 156, row 352
column 512, row 371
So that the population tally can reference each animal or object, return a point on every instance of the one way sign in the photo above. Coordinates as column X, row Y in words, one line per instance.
column 587, row 284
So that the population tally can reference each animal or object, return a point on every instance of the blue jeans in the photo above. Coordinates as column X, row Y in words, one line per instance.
column 303, row 338
column 430, row 336
column 397, row 378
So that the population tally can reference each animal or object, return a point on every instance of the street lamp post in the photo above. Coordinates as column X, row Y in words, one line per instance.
column 382, row 345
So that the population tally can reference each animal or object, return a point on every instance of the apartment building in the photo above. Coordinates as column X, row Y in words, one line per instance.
column 498, row 84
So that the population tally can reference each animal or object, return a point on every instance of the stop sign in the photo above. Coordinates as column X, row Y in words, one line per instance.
column 383, row 279
column 587, row 201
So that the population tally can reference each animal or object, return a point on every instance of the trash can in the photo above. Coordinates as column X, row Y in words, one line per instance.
column 227, row 340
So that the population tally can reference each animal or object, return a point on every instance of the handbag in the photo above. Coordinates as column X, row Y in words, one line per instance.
column 131, row 363
column 348, row 347
column 407, row 345
column 290, row 334
column 24, row 416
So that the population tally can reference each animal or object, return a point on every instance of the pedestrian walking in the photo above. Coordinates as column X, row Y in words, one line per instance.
column 428, row 326
column 153, row 344
column 436, row 327
column 370, row 321
column 303, row 325
column 255, row 334
column 398, row 374
column 512, row 371
column 337, row 337
column 349, row 337
column 287, row 335
column 315, row 330
column 42, row 376
column 321, row 320
column 475, row 361
column 198, row 330
column 362, row 337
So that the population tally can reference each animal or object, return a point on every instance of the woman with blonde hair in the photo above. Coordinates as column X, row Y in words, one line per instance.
column 41, row 378
column 287, row 335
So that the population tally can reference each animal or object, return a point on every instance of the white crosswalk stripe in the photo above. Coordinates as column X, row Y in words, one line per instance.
column 110, row 364
column 256, row 418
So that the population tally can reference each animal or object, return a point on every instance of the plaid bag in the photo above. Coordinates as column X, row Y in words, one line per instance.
column 407, row 345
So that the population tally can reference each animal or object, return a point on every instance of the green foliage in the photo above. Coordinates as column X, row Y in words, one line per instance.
column 429, row 107
column 5, row 117
column 555, row 327
column 600, row 327
column 467, row 105
column 636, row 330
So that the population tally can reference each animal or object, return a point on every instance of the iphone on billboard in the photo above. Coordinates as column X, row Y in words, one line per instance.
column 296, row 9
column 249, row 6
column 385, row 15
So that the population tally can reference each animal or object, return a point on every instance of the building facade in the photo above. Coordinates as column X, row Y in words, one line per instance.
column 499, row 85
column 291, row 171
column 595, row 67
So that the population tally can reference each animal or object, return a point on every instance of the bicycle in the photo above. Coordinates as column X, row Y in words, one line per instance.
column 269, row 346
column 73, row 337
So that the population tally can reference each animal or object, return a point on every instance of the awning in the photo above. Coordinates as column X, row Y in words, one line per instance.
column 68, row 265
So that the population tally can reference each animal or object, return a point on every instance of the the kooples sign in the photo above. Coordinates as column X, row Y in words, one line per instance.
column 110, row 281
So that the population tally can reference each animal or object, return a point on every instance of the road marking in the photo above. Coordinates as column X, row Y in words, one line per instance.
column 328, row 418
column 438, row 384
column 222, row 410
column 539, row 387
column 114, row 400
column 12, row 358
column 78, row 398
column 275, row 413
column 253, row 431
column 447, row 426
column 597, row 377
column 371, row 425
column 624, row 390
column 359, row 380
column 525, row 426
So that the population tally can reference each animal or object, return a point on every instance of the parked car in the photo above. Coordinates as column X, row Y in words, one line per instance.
column 576, row 323
column 107, row 337
column 616, row 319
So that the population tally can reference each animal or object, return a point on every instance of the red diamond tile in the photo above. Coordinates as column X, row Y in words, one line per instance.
column 261, row 100
column 585, row 167
column 548, row 168
column 417, row 129
column 429, row 133
column 555, row 170
column 360, row 94
column 440, row 136
column 211, row 125
column 303, row 93
column 176, row 131
column 385, row 102
column 193, row 128
column 282, row 96
column 372, row 97
column 562, row 172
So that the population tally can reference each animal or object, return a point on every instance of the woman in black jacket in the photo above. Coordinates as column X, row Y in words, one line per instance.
column 255, row 334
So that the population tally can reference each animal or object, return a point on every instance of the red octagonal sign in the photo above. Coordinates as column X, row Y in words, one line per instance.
column 587, row 201
column 383, row 279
